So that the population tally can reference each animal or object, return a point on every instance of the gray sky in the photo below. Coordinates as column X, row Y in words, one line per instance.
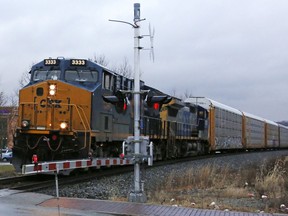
column 232, row 51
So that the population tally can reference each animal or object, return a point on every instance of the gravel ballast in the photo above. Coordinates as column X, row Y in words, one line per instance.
column 119, row 186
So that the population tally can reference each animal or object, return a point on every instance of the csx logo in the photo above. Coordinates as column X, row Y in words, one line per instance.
column 56, row 103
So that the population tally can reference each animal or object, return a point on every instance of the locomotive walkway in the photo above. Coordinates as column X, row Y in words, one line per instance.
column 14, row 203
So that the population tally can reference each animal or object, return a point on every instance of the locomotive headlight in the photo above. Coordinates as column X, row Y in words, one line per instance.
column 63, row 125
column 52, row 89
column 25, row 124
column 52, row 92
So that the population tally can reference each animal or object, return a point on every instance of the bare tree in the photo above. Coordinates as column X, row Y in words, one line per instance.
column 13, row 100
column 100, row 59
column 12, row 125
column 8, row 115
column 13, row 104
column 187, row 94
column 174, row 92
column 24, row 79
column 3, row 99
column 124, row 69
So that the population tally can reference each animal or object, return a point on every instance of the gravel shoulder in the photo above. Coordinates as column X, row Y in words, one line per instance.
column 118, row 187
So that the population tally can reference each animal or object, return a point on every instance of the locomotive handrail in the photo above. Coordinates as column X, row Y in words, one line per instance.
column 79, row 110
column 89, row 128
column 85, row 123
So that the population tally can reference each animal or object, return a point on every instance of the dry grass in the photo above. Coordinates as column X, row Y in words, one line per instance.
column 7, row 170
column 250, row 189
column 271, row 181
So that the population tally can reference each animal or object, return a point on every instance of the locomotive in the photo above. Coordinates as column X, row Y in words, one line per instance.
column 64, row 114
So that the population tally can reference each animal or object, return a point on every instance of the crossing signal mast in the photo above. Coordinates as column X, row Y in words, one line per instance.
column 137, row 148
column 138, row 194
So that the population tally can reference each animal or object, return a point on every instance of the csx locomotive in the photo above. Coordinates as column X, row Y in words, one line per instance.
column 62, row 115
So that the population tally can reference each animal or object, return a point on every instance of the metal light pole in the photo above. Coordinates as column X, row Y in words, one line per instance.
column 138, row 194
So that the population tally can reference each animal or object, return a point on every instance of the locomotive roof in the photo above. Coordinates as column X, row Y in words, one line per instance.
column 207, row 103
column 89, row 61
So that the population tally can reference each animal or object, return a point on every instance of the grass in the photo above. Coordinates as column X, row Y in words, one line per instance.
column 6, row 170
column 250, row 189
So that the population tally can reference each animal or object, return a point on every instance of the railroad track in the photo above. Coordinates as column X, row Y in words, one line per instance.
column 38, row 182
column 42, row 181
column 25, row 183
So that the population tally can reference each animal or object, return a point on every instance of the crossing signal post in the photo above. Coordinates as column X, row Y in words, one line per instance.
column 138, row 194
column 136, row 144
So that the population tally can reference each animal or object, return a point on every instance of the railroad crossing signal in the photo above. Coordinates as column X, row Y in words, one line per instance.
column 157, row 101
column 146, row 150
column 119, row 100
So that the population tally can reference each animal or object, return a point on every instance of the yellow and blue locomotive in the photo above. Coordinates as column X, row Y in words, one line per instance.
column 62, row 114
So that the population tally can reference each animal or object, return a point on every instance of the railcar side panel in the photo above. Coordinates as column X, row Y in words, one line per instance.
column 283, row 136
column 272, row 134
column 228, row 129
column 254, row 133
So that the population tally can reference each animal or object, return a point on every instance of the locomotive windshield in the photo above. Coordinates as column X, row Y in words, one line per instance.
column 81, row 76
column 40, row 75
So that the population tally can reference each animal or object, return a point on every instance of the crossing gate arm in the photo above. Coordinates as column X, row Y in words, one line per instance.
column 73, row 164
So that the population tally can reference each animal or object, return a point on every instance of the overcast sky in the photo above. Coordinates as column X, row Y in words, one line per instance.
column 232, row 51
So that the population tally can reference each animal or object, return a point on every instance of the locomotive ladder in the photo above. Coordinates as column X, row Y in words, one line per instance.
column 85, row 124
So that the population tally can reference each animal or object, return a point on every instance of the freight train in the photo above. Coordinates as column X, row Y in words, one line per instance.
column 64, row 114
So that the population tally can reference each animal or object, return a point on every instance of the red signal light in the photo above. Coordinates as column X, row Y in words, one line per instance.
column 122, row 155
column 35, row 159
column 54, row 137
column 156, row 101
column 156, row 106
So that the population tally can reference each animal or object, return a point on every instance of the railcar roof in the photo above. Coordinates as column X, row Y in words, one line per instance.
column 207, row 103
column 253, row 116
column 283, row 126
column 271, row 122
